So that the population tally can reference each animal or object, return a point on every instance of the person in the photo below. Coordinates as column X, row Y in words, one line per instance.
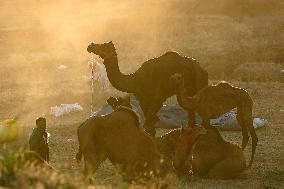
column 39, row 139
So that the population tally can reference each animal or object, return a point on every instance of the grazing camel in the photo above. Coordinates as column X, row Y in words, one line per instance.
column 150, row 83
column 201, row 152
column 213, row 101
column 117, row 136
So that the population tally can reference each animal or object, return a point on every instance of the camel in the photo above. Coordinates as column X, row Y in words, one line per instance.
column 205, row 153
column 150, row 83
column 117, row 136
column 213, row 101
column 201, row 152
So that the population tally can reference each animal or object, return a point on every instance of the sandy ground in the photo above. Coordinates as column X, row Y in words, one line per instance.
column 267, row 170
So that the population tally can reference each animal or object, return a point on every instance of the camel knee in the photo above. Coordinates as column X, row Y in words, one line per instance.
column 205, row 122
column 150, row 131
column 150, row 125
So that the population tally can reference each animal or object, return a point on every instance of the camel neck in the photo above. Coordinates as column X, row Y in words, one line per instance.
column 120, row 81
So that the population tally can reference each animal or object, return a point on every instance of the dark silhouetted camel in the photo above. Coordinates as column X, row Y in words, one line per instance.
column 205, row 153
column 213, row 101
column 118, row 137
column 151, row 82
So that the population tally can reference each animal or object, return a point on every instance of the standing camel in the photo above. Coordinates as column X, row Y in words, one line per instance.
column 150, row 84
column 213, row 101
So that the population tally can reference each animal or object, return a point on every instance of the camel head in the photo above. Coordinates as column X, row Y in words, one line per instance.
column 182, row 160
column 182, row 150
column 177, row 81
column 105, row 50
column 177, row 78
column 116, row 102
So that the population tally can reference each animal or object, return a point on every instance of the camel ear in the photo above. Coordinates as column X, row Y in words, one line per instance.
column 112, row 101
column 110, row 42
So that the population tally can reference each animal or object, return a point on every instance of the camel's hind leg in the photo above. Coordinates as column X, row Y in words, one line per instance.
column 191, row 118
column 249, row 124
column 243, row 126
column 246, row 121
column 92, row 162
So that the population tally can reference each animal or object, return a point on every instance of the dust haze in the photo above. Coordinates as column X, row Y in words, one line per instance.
column 36, row 37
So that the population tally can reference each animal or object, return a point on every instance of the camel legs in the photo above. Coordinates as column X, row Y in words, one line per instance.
column 249, row 124
column 152, row 118
column 149, row 124
column 92, row 162
column 191, row 118
column 206, row 122
column 245, row 136
column 246, row 122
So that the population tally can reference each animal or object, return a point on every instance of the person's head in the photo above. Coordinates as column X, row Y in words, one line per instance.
column 41, row 123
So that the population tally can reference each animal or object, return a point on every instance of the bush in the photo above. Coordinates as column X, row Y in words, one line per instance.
column 16, row 172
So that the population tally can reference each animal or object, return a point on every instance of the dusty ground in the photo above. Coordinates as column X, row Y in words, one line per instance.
column 267, row 170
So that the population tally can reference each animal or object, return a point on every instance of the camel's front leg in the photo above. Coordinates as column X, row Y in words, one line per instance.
column 151, row 118
column 191, row 118
column 92, row 162
column 206, row 122
column 150, row 124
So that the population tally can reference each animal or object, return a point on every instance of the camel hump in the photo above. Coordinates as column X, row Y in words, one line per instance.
column 224, row 84
column 174, row 54
column 171, row 54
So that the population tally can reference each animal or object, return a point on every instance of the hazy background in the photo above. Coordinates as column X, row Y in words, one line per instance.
column 241, row 41
column 232, row 39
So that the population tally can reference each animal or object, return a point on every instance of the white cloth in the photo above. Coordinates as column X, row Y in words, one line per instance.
column 65, row 109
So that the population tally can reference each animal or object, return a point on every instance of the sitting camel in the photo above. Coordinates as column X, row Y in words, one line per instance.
column 150, row 83
column 117, row 136
column 200, row 152
column 208, row 154
column 213, row 101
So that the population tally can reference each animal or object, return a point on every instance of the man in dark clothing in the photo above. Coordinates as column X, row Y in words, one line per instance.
column 39, row 139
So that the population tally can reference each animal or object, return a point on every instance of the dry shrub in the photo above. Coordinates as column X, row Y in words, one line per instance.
column 16, row 172
column 260, row 72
